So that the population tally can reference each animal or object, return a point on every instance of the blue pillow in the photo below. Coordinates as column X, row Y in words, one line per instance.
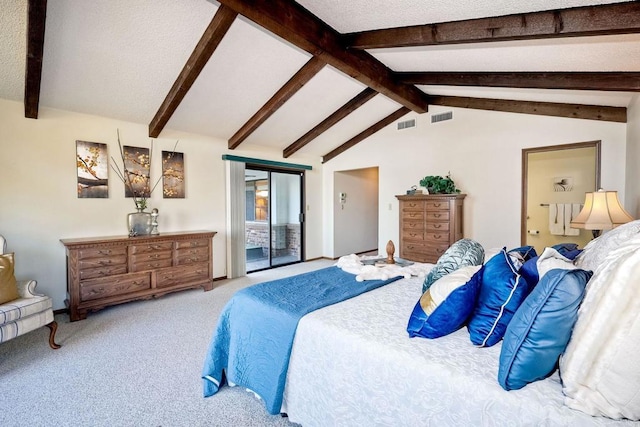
column 501, row 293
column 529, row 271
column 563, row 248
column 452, row 313
column 462, row 253
column 527, row 252
column 540, row 330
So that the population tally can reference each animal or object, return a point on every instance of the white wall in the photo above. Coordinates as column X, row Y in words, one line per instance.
column 483, row 151
column 356, row 220
column 39, row 206
column 632, row 199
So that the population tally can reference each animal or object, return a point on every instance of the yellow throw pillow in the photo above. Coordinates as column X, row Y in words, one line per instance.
column 8, row 285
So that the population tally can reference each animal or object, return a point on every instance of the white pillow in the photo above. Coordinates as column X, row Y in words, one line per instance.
column 551, row 259
column 596, row 250
column 599, row 368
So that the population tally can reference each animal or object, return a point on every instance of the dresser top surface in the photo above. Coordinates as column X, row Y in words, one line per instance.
column 138, row 239
column 430, row 196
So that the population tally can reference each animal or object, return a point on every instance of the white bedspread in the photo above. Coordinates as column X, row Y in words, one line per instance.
column 353, row 364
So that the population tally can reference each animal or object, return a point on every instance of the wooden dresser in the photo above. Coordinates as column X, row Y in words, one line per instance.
column 429, row 224
column 104, row 271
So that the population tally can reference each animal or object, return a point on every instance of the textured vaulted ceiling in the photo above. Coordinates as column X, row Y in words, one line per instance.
column 119, row 59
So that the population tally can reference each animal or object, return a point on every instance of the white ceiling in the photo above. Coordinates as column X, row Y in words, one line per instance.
column 119, row 58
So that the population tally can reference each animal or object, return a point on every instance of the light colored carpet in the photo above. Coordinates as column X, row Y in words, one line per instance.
column 136, row 364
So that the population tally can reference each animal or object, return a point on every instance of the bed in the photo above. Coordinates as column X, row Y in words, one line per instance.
column 352, row 363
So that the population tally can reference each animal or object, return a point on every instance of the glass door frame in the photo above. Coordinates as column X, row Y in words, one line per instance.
column 271, row 202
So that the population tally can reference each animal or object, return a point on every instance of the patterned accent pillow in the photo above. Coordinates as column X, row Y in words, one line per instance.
column 446, row 305
column 462, row 253
column 8, row 285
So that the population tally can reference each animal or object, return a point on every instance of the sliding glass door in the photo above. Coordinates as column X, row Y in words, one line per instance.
column 274, row 218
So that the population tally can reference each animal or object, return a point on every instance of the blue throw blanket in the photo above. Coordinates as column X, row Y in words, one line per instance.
column 252, row 342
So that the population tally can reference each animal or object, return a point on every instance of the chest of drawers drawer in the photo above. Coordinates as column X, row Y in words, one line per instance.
column 199, row 243
column 150, row 248
column 114, row 286
column 192, row 255
column 437, row 216
column 182, row 274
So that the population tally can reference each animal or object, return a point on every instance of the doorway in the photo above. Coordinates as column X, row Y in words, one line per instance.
column 274, row 232
column 554, row 182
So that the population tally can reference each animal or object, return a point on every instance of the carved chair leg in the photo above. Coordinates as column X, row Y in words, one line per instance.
column 53, row 327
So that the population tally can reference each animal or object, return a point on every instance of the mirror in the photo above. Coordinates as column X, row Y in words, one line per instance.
column 554, row 182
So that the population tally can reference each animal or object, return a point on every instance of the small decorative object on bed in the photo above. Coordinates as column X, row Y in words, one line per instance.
column 462, row 253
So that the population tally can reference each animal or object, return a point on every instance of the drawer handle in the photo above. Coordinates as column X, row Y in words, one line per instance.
column 105, row 262
column 156, row 256
column 413, row 205
column 437, row 205
column 106, row 252
column 437, row 236
column 437, row 225
column 410, row 247
column 436, row 215
column 413, row 234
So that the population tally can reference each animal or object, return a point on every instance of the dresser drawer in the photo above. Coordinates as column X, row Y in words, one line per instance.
column 150, row 248
column 102, row 252
column 191, row 255
column 412, row 235
column 437, row 206
column 436, row 250
column 151, row 264
column 182, row 275
column 442, row 227
column 437, row 215
column 200, row 243
column 412, row 216
column 413, row 247
column 412, row 225
column 106, row 261
column 437, row 238
column 152, row 256
column 113, row 286
column 412, row 206
column 92, row 273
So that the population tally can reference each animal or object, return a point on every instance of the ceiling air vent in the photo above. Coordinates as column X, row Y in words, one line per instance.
column 435, row 118
column 407, row 124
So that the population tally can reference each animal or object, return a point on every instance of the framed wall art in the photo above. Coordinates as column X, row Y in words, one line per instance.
column 173, row 175
column 93, row 170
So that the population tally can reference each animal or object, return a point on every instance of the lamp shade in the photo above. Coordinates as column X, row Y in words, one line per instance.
column 601, row 211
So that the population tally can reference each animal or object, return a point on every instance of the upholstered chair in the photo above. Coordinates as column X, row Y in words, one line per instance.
column 21, row 309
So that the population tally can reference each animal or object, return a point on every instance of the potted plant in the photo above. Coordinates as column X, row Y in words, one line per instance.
column 439, row 185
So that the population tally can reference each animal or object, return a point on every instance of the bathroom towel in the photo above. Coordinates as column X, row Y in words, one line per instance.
column 556, row 219
column 571, row 210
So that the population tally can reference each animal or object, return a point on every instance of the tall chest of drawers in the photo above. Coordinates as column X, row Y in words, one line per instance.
column 105, row 271
column 429, row 224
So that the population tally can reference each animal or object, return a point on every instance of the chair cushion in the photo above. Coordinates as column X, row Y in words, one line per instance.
column 8, row 285
column 25, row 324
column 23, row 307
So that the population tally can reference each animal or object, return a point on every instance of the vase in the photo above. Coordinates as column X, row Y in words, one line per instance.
column 139, row 223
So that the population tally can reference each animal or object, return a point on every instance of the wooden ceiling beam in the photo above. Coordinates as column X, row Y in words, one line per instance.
column 295, row 83
column 348, row 108
column 366, row 133
column 298, row 26
column 575, row 111
column 616, row 18
column 36, row 18
column 609, row 81
column 207, row 44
